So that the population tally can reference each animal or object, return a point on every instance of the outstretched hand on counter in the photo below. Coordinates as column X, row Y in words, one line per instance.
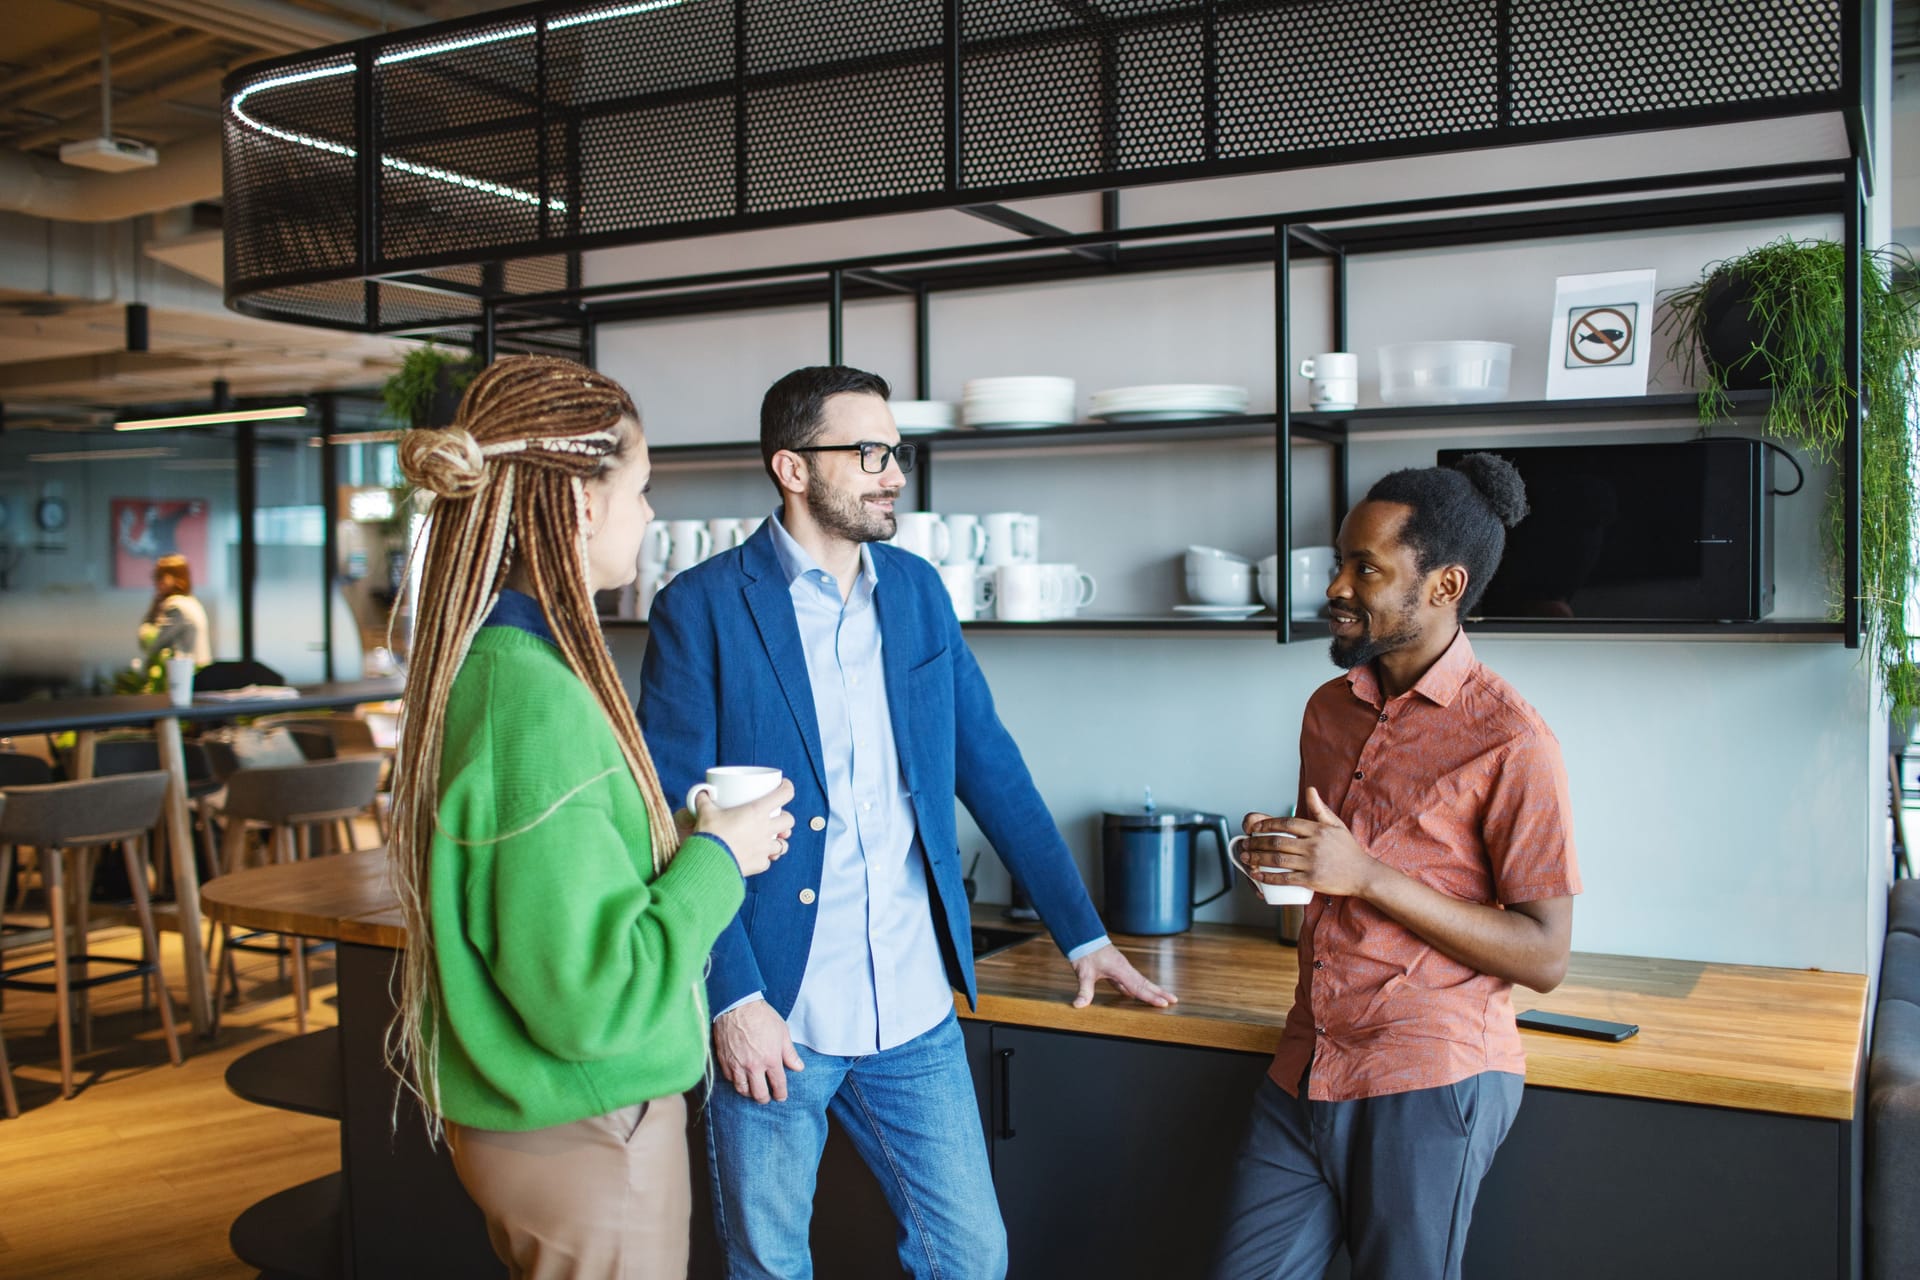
column 1108, row 963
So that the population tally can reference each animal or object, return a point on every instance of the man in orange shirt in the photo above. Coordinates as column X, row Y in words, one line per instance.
column 1438, row 840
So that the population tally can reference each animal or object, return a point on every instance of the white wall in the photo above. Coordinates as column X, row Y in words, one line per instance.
column 1728, row 799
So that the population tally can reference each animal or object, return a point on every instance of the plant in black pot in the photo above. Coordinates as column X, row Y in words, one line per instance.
column 1772, row 319
column 426, row 390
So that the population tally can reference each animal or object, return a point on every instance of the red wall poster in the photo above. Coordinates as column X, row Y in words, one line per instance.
column 144, row 529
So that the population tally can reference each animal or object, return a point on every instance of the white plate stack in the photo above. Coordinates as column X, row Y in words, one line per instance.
column 918, row 417
column 1018, row 402
column 1168, row 401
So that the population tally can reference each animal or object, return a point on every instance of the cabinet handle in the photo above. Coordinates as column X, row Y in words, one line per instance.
column 1006, row 1093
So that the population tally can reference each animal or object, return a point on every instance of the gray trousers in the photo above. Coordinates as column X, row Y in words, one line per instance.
column 1393, row 1178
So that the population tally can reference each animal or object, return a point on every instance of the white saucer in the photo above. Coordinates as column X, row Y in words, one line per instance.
column 1218, row 610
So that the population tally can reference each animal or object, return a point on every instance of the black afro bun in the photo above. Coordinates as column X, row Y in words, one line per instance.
column 1495, row 479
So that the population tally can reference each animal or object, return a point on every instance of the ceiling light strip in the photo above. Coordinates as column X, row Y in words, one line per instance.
column 210, row 419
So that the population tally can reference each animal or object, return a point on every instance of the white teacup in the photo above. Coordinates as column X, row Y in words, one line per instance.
column 678, row 544
column 724, row 533
column 1012, row 538
column 923, row 533
column 1277, row 895
column 731, row 785
column 966, row 539
column 1312, row 574
column 968, row 588
column 180, row 681
column 1026, row 592
column 750, row 525
column 1076, row 589
column 1335, row 378
column 646, row 585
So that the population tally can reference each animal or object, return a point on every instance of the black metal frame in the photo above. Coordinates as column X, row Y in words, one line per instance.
column 1501, row 72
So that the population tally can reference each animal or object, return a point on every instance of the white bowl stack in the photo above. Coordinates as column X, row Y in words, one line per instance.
column 918, row 417
column 1018, row 402
column 1168, row 401
column 1219, row 578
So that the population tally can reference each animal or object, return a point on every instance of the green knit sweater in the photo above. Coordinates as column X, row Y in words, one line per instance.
column 570, row 975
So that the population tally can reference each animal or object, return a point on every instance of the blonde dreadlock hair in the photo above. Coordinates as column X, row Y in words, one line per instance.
column 508, row 479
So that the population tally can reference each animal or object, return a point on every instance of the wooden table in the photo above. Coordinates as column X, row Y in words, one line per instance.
column 87, row 716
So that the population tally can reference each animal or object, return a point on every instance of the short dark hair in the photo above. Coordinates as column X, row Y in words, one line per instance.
column 1460, row 515
column 790, row 412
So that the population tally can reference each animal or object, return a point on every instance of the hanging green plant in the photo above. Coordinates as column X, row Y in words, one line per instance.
column 1773, row 317
column 427, row 386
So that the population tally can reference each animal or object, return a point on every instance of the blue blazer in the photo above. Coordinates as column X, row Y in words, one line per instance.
column 725, row 682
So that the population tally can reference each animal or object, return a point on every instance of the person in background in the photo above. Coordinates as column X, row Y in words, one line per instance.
column 1435, row 830
column 175, row 620
column 559, row 920
column 816, row 648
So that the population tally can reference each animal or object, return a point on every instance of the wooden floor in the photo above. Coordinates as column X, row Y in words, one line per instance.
column 140, row 1174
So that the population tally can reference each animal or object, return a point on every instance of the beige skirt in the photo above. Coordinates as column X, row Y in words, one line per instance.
column 606, row 1198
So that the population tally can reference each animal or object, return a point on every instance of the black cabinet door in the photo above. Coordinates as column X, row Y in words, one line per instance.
column 1111, row 1156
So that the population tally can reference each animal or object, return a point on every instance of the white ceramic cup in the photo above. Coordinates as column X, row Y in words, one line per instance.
column 1012, row 538
column 724, row 533
column 1312, row 573
column 750, row 525
column 1026, row 592
column 731, row 785
column 646, row 586
column 1076, row 589
column 656, row 546
column 1335, row 376
column 923, row 533
column 1277, row 895
column 180, row 681
column 970, row 590
column 966, row 539
column 688, row 543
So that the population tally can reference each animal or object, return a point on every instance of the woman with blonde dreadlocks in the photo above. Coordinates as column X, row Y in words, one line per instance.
column 558, row 917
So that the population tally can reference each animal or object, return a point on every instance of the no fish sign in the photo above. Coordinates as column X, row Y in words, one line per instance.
column 1596, row 349
column 1602, row 335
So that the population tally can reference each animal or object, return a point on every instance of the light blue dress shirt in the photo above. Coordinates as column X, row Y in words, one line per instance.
column 874, row 976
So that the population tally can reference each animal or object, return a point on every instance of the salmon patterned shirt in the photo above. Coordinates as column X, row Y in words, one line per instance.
column 1458, row 783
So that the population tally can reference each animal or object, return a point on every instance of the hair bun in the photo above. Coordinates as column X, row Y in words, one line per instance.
column 445, row 461
column 1496, row 480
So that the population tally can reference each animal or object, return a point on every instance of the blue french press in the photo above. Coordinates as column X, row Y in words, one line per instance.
column 1147, row 855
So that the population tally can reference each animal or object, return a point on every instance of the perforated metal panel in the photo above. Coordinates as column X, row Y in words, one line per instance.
column 541, row 131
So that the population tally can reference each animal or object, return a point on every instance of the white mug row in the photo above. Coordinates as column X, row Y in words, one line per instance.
column 1017, row 592
column 1004, row 537
column 674, row 545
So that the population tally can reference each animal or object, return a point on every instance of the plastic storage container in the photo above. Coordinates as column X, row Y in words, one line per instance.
column 1444, row 372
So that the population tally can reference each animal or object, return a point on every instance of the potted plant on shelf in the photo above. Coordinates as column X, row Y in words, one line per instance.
column 425, row 391
column 1772, row 318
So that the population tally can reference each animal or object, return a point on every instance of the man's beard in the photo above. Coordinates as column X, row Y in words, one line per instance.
column 1365, row 647
column 849, row 517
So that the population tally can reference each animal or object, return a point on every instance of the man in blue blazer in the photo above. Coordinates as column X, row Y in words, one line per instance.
column 818, row 650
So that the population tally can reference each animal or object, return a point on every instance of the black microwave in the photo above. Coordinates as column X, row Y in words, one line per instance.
column 1638, row 533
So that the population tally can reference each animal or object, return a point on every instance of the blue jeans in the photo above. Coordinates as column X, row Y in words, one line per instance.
column 911, row 1114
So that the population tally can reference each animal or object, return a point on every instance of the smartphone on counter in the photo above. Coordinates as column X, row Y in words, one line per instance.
column 1568, row 1025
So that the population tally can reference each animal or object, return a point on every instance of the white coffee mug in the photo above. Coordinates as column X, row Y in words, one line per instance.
column 968, row 588
column 750, row 525
column 1026, row 593
column 688, row 543
column 1312, row 574
column 923, row 533
column 731, row 785
column 1277, row 895
column 1076, row 589
column 646, row 586
column 966, row 539
column 1335, row 376
column 180, row 681
column 724, row 533
column 656, row 546
column 1012, row 538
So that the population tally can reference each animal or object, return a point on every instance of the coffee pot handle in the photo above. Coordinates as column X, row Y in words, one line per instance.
column 1217, row 828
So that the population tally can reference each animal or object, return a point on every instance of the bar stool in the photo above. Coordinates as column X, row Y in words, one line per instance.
column 73, row 820
column 289, row 803
column 17, row 770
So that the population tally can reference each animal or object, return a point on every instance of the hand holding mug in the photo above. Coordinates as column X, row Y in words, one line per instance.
column 745, row 808
column 1314, row 854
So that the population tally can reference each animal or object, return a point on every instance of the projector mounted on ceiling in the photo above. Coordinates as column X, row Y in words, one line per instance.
column 109, row 155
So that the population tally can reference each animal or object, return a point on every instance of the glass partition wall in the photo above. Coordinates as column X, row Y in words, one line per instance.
column 84, row 514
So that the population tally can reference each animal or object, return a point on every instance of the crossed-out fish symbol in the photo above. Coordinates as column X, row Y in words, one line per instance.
column 1607, row 337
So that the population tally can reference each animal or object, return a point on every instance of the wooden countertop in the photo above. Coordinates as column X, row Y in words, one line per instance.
column 1782, row 1040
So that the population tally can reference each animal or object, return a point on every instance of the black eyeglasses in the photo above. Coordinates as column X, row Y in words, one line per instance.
column 873, row 454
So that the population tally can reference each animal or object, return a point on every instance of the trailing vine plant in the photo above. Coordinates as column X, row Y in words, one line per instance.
column 1791, row 292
